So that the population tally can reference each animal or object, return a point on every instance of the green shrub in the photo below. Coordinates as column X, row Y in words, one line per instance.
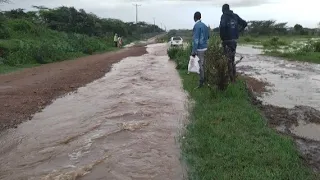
column 216, row 65
column 310, row 46
column 274, row 42
column 49, row 46
column 4, row 32
column 248, row 39
column 172, row 52
column 316, row 46
column 21, row 25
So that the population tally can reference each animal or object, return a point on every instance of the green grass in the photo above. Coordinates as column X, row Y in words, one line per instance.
column 313, row 57
column 260, row 40
column 227, row 138
column 4, row 69
column 25, row 43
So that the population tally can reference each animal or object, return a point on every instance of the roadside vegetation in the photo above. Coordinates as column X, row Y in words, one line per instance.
column 227, row 137
column 49, row 35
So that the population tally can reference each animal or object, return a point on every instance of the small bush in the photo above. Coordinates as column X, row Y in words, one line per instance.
column 316, row 46
column 274, row 42
column 4, row 32
column 310, row 46
column 248, row 39
column 216, row 65
column 173, row 51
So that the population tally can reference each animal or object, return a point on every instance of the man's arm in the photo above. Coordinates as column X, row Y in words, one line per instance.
column 243, row 24
column 222, row 27
column 195, row 40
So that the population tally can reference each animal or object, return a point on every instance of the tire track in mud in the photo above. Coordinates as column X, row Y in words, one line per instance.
column 289, row 106
column 122, row 126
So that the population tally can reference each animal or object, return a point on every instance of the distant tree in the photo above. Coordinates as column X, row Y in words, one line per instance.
column 267, row 27
column 298, row 27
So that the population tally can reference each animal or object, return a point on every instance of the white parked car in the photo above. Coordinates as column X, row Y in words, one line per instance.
column 176, row 41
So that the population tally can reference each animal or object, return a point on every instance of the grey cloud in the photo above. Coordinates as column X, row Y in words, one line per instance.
column 234, row 3
column 118, row 3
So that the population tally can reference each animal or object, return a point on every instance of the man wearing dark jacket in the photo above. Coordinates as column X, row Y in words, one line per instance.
column 230, row 26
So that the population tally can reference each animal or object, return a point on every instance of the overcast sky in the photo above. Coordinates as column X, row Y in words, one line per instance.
column 176, row 14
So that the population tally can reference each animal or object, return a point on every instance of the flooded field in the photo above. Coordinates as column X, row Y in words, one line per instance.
column 122, row 126
column 292, row 100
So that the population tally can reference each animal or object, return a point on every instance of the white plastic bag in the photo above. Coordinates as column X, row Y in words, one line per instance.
column 193, row 65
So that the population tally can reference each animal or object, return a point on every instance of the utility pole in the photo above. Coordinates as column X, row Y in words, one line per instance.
column 136, row 5
column 154, row 24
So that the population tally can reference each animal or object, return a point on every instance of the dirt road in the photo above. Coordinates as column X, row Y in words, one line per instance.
column 291, row 102
column 122, row 126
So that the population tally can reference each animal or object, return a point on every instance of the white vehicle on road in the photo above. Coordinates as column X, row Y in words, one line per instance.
column 176, row 41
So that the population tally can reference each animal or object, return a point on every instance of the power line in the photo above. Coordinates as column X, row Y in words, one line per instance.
column 136, row 5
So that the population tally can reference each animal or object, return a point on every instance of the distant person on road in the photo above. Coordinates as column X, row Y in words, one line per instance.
column 115, row 40
column 200, row 44
column 119, row 42
column 230, row 26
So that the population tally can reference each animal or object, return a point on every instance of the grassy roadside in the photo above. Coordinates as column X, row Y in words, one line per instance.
column 227, row 137
column 313, row 57
column 260, row 40
column 4, row 69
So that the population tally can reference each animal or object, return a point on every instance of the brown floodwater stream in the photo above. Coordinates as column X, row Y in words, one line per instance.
column 123, row 126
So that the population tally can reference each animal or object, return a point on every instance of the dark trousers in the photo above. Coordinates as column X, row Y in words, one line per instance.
column 230, row 48
column 115, row 43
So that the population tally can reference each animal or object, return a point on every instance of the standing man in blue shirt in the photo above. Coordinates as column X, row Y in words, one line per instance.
column 230, row 26
column 200, row 44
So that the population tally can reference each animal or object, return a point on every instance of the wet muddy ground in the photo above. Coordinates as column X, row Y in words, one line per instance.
column 122, row 126
column 288, row 93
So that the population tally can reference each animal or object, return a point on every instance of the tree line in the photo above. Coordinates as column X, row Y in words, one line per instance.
column 69, row 19
column 272, row 27
column 47, row 35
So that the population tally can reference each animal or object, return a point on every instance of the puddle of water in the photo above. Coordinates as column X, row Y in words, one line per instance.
column 122, row 126
column 307, row 130
column 293, row 83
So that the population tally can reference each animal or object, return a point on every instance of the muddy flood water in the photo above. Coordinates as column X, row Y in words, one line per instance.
column 292, row 101
column 122, row 126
